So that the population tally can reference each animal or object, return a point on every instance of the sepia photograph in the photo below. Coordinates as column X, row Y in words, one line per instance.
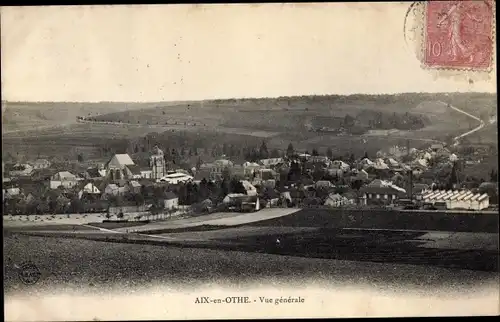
column 235, row 161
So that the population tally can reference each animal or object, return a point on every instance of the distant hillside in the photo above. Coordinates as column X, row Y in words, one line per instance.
column 279, row 121
column 21, row 116
column 298, row 113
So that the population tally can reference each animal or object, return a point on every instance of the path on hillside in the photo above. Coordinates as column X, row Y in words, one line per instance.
column 480, row 126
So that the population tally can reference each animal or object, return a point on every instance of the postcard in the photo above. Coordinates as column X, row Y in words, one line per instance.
column 234, row 161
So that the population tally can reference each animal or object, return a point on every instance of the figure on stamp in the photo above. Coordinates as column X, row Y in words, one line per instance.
column 459, row 48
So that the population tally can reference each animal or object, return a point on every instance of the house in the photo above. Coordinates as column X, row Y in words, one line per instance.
column 418, row 190
column 127, row 208
column 89, row 189
column 171, row 201
column 269, row 184
column 381, row 191
column 361, row 175
column 422, row 163
column 351, row 196
column 398, row 151
column 336, row 200
column 249, row 188
column 114, row 189
column 271, row 197
column 339, row 164
column 134, row 187
column 19, row 170
column 93, row 173
column 42, row 174
column 146, row 173
column 176, row 178
column 132, row 171
column 250, row 168
column 217, row 168
column 242, row 202
column 238, row 171
column 286, row 196
column 336, row 173
column 397, row 177
column 437, row 146
column 266, row 174
column 453, row 157
column 41, row 164
column 11, row 192
column 366, row 163
column 63, row 178
column 319, row 159
column 304, row 156
column 379, row 164
column 418, row 172
column 443, row 153
column 271, row 162
column 392, row 163
column 427, row 156
column 232, row 196
column 323, row 184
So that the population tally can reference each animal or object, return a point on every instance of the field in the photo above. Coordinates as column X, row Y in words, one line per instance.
column 51, row 128
column 430, row 264
column 78, row 263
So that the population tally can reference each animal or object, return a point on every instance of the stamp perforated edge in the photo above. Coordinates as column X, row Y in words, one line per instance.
column 488, row 69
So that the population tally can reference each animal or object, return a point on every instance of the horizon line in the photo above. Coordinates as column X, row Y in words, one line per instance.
column 250, row 98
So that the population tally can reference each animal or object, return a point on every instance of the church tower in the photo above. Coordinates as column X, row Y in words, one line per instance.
column 157, row 163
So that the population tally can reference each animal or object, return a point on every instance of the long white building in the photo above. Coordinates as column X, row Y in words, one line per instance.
column 458, row 199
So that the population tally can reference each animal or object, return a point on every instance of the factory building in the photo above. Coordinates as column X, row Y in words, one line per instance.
column 458, row 199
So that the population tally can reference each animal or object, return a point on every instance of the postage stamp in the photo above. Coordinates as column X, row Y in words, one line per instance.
column 459, row 34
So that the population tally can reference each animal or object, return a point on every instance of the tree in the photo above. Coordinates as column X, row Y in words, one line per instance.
column 225, row 149
column 290, row 151
column 198, row 163
column 235, row 186
column 357, row 184
column 275, row 153
column 263, row 152
column 138, row 199
column 493, row 175
column 453, row 178
column 226, row 173
column 352, row 158
column 120, row 215
column 348, row 121
column 329, row 153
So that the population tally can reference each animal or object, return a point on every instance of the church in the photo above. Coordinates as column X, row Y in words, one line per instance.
column 157, row 163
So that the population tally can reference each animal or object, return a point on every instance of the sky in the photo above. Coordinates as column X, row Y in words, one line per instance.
column 194, row 52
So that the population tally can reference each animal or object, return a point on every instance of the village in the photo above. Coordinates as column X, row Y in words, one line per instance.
column 401, row 178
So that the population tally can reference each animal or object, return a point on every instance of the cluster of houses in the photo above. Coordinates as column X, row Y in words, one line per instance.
column 300, row 180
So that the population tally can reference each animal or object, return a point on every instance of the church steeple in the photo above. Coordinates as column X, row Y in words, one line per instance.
column 157, row 163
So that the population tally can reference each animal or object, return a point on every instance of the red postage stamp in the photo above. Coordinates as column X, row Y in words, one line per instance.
column 459, row 34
